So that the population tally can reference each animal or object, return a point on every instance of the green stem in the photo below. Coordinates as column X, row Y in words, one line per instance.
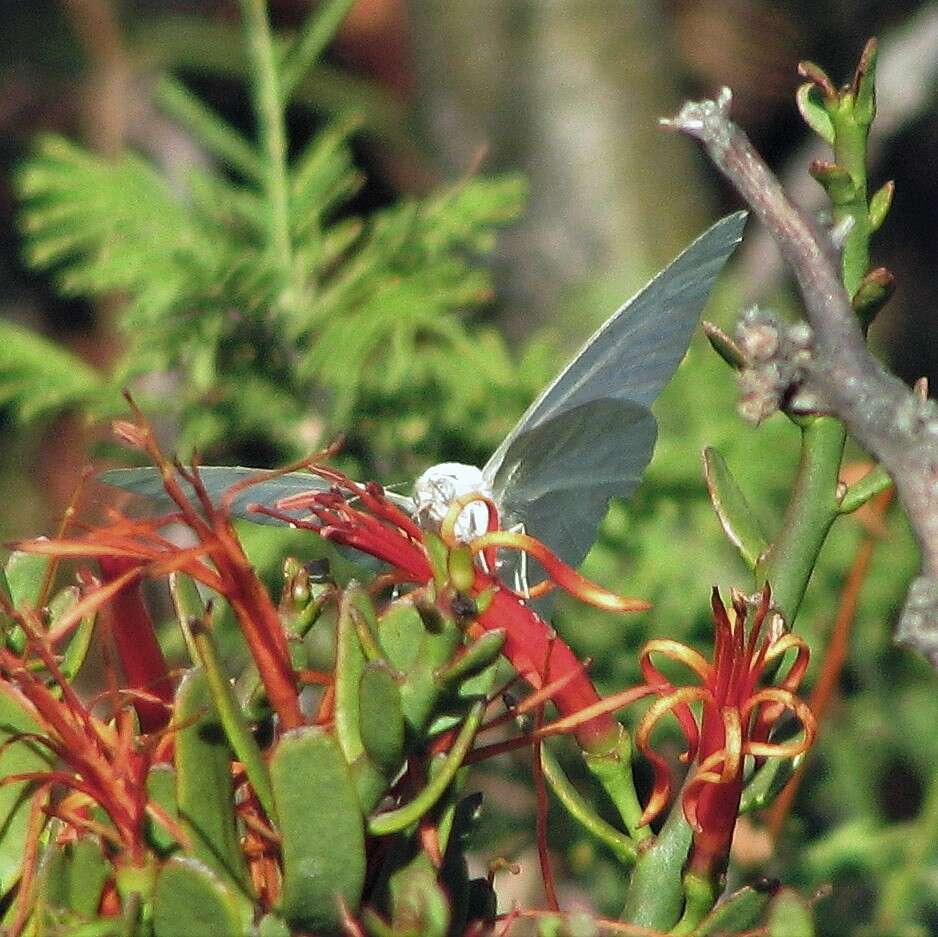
column 812, row 509
column 873, row 483
column 393, row 821
column 814, row 504
column 850, row 138
column 268, row 109
column 576, row 805
column 613, row 769
column 655, row 894
column 700, row 897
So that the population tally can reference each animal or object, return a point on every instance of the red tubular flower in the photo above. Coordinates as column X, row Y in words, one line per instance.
column 100, row 764
column 360, row 516
column 140, row 654
column 217, row 561
column 737, row 718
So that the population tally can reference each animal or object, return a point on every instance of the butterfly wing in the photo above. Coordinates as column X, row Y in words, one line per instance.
column 598, row 406
column 563, row 472
column 217, row 479
column 635, row 353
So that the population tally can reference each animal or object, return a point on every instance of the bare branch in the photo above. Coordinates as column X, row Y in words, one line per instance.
column 887, row 418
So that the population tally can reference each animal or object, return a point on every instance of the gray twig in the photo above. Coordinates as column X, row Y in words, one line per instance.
column 897, row 426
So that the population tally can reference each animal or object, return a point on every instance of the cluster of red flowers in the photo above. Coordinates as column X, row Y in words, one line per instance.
column 726, row 719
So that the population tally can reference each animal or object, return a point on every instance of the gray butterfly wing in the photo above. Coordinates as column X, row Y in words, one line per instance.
column 560, row 475
column 635, row 353
column 589, row 436
column 217, row 479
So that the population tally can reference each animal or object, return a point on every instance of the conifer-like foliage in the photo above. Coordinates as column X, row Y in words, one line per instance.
column 276, row 315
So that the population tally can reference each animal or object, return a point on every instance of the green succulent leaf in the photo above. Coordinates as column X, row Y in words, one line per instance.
column 735, row 516
column 161, row 789
column 418, row 904
column 204, row 788
column 382, row 718
column 880, row 203
column 16, row 757
column 25, row 573
column 839, row 185
column 446, row 768
column 479, row 655
column 811, row 106
column 417, row 647
column 322, row 827
column 191, row 901
column 272, row 926
column 72, row 879
column 790, row 916
column 740, row 911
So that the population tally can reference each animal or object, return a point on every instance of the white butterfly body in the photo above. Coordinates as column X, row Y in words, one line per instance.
column 439, row 486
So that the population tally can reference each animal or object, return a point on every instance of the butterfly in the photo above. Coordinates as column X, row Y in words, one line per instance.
column 587, row 438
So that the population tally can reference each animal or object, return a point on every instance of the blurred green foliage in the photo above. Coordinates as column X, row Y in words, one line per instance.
column 369, row 327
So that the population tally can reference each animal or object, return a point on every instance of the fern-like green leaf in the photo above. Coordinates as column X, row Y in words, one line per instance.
column 372, row 314
column 38, row 377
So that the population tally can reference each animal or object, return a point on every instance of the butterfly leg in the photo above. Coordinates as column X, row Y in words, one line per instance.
column 521, row 570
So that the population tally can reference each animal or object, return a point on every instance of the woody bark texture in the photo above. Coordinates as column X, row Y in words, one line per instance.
column 886, row 417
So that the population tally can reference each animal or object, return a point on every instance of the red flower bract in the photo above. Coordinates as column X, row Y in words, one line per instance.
column 101, row 763
column 737, row 719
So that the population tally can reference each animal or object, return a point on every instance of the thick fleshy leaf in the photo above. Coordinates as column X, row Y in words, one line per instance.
column 73, row 877
column 272, row 926
column 738, row 912
column 323, row 846
column 880, row 203
column 736, row 517
column 478, row 656
column 80, row 643
column 355, row 608
column 418, row 904
column 191, row 901
column 382, row 718
column 814, row 112
column 25, row 573
column 417, row 651
column 161, row 789
column 204, row 788
column 16, row 758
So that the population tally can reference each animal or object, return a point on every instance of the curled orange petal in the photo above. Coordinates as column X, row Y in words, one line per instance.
column 661, row 708
column 563, row 575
